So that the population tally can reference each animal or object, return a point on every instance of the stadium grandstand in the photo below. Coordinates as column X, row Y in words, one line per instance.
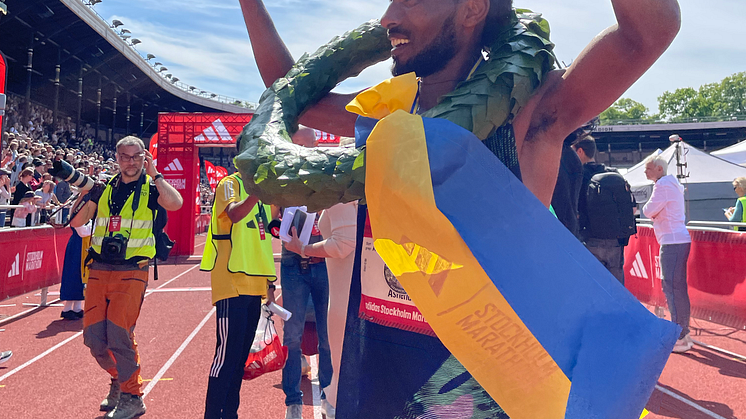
column 88, row 73
column 627, row 142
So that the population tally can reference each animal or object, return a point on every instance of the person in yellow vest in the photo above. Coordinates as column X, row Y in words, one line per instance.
column 239, row 257
column 122, row 245
column 737, row 214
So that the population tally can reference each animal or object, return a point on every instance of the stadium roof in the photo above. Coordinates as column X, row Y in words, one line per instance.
column 70, row 33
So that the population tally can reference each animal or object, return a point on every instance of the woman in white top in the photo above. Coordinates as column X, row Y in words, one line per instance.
column 48, row 199
column 338, row 226
column 667, row 210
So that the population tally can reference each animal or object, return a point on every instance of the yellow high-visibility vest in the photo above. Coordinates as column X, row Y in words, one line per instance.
column 249, row 253
column 137, row 227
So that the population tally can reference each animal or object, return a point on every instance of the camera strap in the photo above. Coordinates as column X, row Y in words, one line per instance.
column 115, row 183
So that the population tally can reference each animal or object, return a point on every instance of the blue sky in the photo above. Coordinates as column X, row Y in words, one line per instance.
column 205, row 44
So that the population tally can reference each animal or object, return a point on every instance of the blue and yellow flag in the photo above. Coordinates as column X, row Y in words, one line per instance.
column 540, row 324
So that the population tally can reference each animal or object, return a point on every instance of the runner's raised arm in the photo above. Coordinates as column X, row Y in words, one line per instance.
column 274, row 61
column 603, row 71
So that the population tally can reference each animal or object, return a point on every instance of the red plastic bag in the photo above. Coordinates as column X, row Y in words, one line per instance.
column 271, row 358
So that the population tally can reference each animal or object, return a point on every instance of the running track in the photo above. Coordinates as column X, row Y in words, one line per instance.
column 53, row 375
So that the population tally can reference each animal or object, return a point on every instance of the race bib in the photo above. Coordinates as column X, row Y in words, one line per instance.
column 384, row 301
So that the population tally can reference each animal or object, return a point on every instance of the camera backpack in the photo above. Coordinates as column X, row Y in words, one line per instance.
column 610, row 206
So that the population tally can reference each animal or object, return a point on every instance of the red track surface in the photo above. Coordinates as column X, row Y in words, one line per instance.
column 53, row 375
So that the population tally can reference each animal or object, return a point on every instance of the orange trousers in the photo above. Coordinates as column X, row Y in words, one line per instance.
column 112, row 306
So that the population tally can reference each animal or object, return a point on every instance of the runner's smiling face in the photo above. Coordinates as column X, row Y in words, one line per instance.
column 422, row 35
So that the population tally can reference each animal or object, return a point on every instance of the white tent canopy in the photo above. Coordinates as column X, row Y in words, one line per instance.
column 709, row 185
column 734, row 154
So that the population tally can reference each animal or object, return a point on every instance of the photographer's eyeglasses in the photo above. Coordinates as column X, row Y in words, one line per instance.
column 125, row 158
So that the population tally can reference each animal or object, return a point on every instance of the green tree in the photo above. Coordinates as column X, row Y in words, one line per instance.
column 724, row 99
column 624, row 109
column 733, row 95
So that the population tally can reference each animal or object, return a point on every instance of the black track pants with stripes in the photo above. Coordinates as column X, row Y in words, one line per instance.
column 237, row 319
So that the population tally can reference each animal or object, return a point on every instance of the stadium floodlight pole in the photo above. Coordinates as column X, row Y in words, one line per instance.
column 142, row 118
column 129, row 104
column 80, row 101
column 114, row 117
column 98, row 108
column 57, row 70
column 30, row 72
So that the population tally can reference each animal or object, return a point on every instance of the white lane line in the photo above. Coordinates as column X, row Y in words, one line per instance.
column 40, row 356
column 315, row 387
column 201, row 244
column 23, row 313
column 173, row 279
column 721, row 350
column 176, row 354
column 182, row 289
column 64, row 342
column 688, row 402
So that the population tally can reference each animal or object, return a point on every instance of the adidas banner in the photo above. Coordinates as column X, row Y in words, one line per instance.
column 33, row 259
column 716, row 290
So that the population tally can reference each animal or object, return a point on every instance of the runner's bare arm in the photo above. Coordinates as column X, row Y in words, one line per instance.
column 605, row 69
column 274, row 61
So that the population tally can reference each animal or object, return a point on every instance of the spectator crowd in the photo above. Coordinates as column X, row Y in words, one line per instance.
column 30, row 146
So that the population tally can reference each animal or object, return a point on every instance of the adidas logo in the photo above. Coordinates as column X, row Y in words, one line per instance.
column 15, row 268
column 638, row 268
column 217, row 133
column 174, row 166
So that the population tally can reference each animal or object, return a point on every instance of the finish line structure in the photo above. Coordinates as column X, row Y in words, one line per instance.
column 179, row 137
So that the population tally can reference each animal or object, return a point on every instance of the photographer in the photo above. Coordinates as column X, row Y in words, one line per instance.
column 122, row 245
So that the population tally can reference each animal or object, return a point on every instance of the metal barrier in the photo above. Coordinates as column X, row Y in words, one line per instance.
column 716, row 273
column 718, row 225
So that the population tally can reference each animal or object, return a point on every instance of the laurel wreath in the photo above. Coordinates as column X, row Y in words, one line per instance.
column 289, row 175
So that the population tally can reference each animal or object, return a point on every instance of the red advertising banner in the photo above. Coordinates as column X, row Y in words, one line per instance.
column 326, row 138
column 32, row 259
column 212, row 174
column 716, row 274
column 153, row 148
column 221, row 172
column 202, row 223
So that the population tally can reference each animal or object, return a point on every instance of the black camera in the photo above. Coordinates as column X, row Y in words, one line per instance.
column 114, row 248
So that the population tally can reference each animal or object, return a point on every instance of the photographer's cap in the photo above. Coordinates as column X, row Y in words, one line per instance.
column 37, row 163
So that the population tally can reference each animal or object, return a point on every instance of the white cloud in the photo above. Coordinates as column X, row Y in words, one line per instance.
column 205, row 44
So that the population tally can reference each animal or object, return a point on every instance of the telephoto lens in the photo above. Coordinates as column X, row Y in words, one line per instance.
column 63, row 170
